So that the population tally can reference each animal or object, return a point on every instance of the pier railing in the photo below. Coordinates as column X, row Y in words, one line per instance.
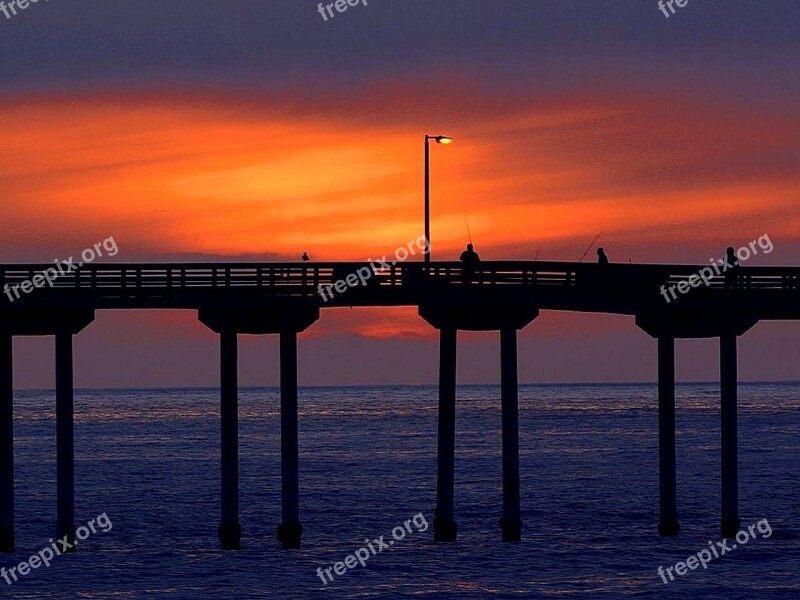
column 305, row 278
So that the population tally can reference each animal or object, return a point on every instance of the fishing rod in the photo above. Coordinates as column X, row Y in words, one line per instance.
column 597, row 237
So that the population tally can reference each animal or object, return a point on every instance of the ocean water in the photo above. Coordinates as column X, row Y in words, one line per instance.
column 148, row 459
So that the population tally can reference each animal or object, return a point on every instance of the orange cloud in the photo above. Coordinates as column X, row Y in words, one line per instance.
column 231, row 176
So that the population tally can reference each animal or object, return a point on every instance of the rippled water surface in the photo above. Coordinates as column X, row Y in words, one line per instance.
column 149, row 460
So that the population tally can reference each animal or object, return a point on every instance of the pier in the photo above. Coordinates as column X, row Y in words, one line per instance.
column 283, row 299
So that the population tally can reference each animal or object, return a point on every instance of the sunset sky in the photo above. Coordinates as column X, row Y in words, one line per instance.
column 198, row 130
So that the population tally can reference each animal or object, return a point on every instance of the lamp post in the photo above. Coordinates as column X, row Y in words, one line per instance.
column 439, row 139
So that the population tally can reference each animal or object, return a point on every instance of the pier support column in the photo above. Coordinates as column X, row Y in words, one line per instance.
column 65, row 439
column 230, row 530
column 668, row 522
column 445, row 529
column 290, row 530
column 286, row 319
column 6, row 445
column 729, row 475
column 511, row 522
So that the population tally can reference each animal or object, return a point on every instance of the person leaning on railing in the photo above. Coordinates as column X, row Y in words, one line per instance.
column 469, row 264
column 731, row 272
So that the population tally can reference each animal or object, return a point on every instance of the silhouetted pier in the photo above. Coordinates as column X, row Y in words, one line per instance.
column 284, row 299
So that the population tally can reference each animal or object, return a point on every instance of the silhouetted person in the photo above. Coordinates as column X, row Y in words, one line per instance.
column 602, row 259
column 469, row 256
column 469, row 262
column 306, row 257
column 733, row 264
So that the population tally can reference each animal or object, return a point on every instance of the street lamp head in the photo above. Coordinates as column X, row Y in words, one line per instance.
column 439, row 139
